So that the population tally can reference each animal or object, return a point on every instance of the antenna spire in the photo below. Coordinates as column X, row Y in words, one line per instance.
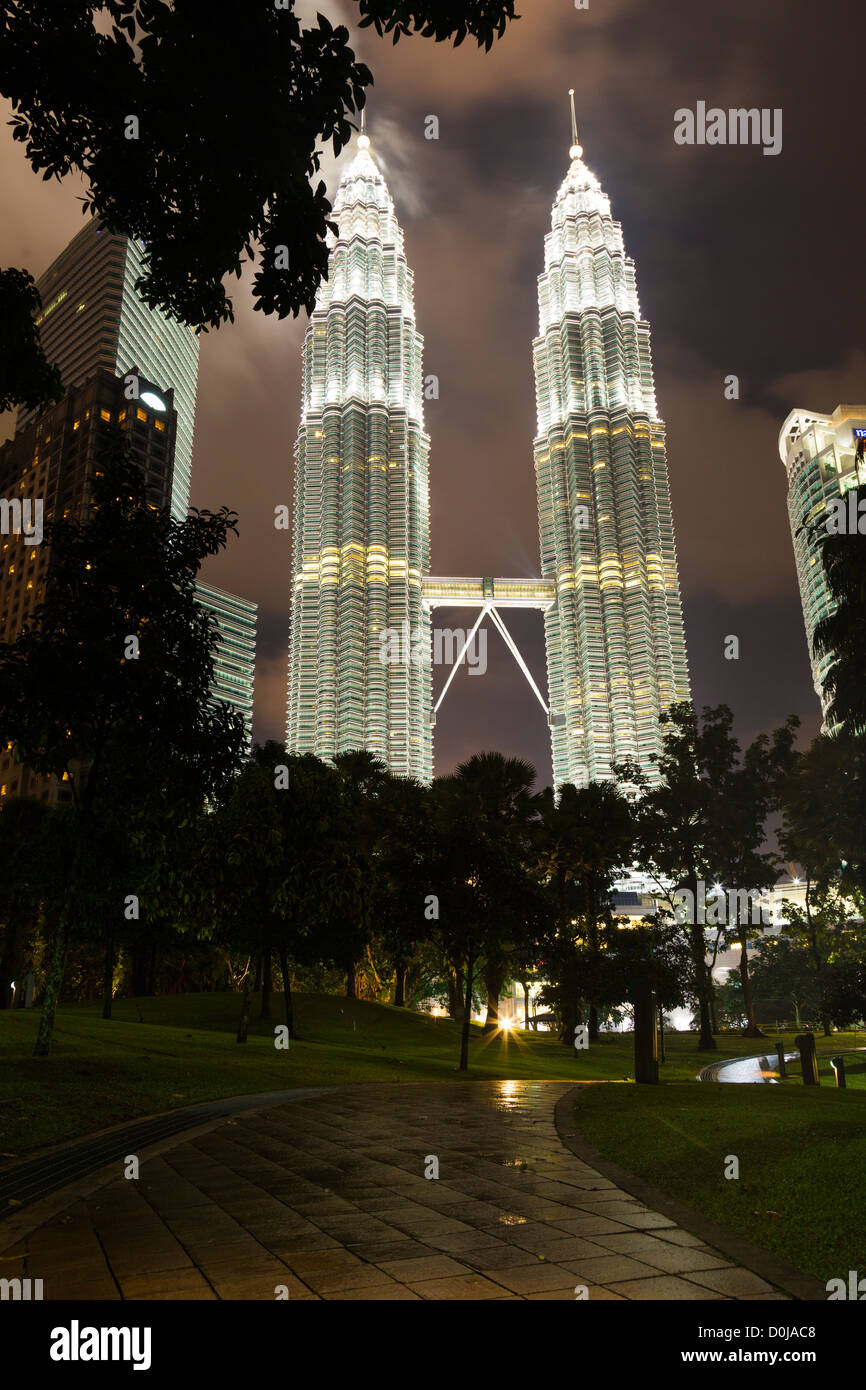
column 576, row 149
column 363, row 138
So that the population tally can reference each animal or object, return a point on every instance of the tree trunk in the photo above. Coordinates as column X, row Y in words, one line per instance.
column 351, row 983
column 11, row 962
column 400, row 985
column 467, row 1015
column 707, row 1042
column 245, row 1008
column 493, row 979
column 646, row 1058
column 258, row 984
column 523, row 986
column 267, row 985
column 139, row 969
column 108, row 977
column 456, row 1001
column 751, row 1029
column 662, row 1057
column 287, row 992
column 52, row 986
column 592, row 936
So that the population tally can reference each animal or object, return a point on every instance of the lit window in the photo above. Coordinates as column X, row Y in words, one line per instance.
column 105, row 414
column 159, row 424
column 142, row 414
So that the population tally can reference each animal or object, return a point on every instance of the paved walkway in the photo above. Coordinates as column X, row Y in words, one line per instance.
column 327, row 1197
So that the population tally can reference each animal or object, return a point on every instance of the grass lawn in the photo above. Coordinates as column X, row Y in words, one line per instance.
column 802, row 1154
column 102, row 1073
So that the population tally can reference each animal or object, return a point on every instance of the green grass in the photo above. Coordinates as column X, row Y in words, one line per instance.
column 102, row 1073
column 802, row 1155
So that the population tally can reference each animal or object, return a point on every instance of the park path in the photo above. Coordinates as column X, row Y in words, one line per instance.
column 326, row 1197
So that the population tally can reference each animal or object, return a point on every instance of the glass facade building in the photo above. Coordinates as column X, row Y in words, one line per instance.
column 92, row 320
column 616, row 651
column 91, row 317
column 820, row 457
column 361, row 544
column 235, row 655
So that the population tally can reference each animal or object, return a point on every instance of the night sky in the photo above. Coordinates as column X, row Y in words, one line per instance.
column 746, row 264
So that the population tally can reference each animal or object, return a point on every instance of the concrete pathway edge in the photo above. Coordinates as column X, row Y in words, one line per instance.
column 761, row 1262
column 16, row 1227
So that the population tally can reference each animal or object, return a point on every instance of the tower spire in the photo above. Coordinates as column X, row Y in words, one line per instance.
column 363, row 138
column 576, row 150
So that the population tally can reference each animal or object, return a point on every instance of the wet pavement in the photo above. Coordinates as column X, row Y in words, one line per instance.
column 327, row 1198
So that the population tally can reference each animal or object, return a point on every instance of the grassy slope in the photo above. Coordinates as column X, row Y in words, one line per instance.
column 101, row 1073
column 802, row 1155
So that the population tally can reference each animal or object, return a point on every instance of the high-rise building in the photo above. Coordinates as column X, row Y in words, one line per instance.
column 93, row 320
column 48, row 468
column 235, row 654
column 92, row 317
column 820, row 457
column 361, row 516
column 616, row 651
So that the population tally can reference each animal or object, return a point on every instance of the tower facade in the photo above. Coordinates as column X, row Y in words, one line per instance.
column 616, row 651
column 820, row 457
column 359, row 652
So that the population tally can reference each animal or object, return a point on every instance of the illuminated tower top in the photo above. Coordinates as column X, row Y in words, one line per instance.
column 615, row 642
column 361, row 518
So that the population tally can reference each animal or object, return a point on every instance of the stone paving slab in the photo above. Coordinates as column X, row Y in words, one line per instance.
column 327, row 1197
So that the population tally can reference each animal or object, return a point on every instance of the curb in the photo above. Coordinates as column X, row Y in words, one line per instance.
column 15, row 1226
column 778, row 1272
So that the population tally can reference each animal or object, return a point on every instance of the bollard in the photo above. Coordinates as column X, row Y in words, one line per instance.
column 838, row 1065
column 808, row 1058
column 781, row 1068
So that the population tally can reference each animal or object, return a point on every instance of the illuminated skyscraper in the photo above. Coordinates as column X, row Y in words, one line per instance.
column 361, row 517
column 92, row 317
column 820, row 457
column 616, row 651
column 92, row 322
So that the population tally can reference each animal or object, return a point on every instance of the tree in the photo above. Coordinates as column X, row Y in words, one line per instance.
column 585, row 839
column 78, row 707
column 823, row 802
column 676, row 821
column 740, row 815
column 497, row 791
column 26, row 865
column 198, row 132
column 27, row 378
column 645, row 963
column 403, row 876
column 783, row 977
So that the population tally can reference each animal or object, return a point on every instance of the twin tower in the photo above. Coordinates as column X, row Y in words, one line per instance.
column 609, row 587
